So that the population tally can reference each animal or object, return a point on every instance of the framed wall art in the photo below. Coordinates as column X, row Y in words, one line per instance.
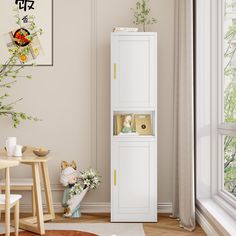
column 28, row 25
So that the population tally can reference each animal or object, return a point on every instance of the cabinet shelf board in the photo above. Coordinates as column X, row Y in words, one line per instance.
column 150, row 109
column 135, row 137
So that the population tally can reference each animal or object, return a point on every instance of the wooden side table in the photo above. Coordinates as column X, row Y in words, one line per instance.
column 36, row 223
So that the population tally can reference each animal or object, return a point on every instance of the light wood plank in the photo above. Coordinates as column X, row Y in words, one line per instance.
column 48, row 191
column 7, row 203
column 25, row 225
column 38, row 197
column 16, row 217
column 33, row 219
column 166, row 226
column 28, row 157
column 18, row 188
column 34, row 207
column 8, row 163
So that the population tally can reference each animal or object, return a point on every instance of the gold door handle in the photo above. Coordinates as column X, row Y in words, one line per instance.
column 115, row 71
column 114, row 177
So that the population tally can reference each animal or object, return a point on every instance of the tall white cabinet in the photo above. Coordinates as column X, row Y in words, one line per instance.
column 134, row 157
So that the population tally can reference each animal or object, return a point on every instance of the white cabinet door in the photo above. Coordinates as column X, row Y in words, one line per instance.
column 134, row 182
column 133, row 71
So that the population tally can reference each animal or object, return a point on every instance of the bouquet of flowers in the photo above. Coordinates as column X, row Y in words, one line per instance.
column 90, row 179
column 76, row 189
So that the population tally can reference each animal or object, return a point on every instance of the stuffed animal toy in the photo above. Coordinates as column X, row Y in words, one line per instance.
column 69, row 178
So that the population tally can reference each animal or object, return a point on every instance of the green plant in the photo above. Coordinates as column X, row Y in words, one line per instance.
column 142, row 14
column 10, row 71
column 230, row 104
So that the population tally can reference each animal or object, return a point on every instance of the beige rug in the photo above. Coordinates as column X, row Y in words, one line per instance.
column 55, row 233
column 101, row 229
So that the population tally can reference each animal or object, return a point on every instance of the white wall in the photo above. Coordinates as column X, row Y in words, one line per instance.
column 73, row 96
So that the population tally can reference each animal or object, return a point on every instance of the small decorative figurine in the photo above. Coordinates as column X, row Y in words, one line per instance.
column 76, row 187
column 69, row 177
column 127, row 127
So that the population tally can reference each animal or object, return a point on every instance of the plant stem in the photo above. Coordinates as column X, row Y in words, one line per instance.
column 7, row 84
column 13, row 103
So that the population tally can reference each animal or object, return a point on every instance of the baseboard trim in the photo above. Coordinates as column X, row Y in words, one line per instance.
column 165, row 207
column 205, row 224
column 95, row 207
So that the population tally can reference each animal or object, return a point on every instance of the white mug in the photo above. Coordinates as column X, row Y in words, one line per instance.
column 17, row 151
column 10, row 145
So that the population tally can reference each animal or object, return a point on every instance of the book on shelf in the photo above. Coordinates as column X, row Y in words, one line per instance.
column 125, row 29
column 118, row 124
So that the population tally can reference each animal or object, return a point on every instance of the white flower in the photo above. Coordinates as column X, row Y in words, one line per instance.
column 90, row 178
column 76, row 189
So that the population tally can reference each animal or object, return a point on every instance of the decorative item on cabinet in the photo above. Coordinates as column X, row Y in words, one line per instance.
column 127, row 124
column 143, row 125
column 142, row 14
column 125, row 29
column 124, row 123
column 118, row 124
column 138, row 124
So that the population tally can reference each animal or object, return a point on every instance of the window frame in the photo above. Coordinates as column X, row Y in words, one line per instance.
column 211, row 205
column 219, row 194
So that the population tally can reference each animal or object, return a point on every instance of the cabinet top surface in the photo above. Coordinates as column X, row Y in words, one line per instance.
column 133, row 33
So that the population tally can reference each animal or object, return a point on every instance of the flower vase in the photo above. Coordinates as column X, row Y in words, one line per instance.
column 74, row 204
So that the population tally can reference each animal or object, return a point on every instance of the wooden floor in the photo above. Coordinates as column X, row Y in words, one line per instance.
column 165, row 226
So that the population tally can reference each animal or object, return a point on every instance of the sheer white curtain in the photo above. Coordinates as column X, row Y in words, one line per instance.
column 184, row 191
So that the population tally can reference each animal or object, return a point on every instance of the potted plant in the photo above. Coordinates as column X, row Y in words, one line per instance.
column 142, row 14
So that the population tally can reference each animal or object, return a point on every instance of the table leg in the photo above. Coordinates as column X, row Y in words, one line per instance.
column 33, row 202
column 38, row 198
column 7, row 206
column 48, row 191
column 16, row 216
column 36, row 223
column 0, row 209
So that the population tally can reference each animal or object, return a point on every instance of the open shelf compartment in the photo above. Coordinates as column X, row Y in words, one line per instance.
column 142, row 120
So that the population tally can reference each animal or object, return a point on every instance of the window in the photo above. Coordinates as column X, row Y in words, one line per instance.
column 233, row 5
column 230, row 5
column 230, row 165
column 216, row 112
column 227, row 127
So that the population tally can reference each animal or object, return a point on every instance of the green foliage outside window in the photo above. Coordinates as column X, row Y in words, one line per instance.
column 230, row 100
